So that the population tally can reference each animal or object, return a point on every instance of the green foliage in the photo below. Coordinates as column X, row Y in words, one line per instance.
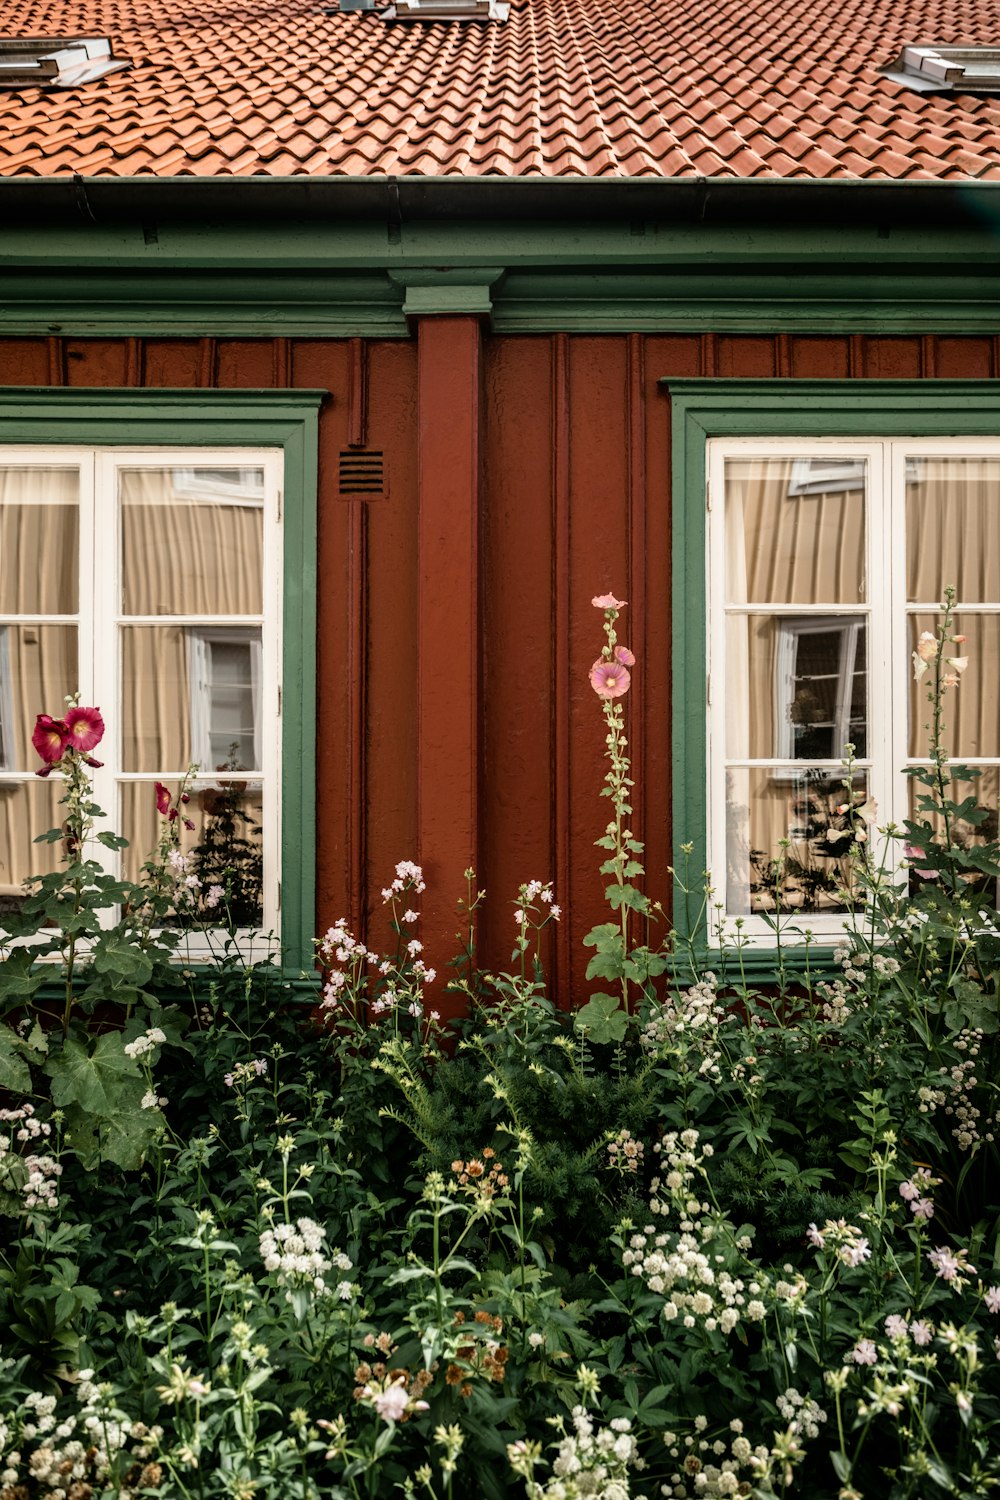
column 693, row 1236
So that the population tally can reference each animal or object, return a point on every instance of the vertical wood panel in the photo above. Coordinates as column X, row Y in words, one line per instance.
column 635, row 396
column 563, row 872
column 173, row 362
column 89, row 362
column 518, row 598
column 819, row 358
column 246, row 363
column 449, row 417
column 390, row 808
column 25, row 361
column 599, row 562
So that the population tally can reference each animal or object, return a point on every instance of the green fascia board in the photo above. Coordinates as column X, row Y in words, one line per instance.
column 351, row 278
column 287, row 419
column 704, row 408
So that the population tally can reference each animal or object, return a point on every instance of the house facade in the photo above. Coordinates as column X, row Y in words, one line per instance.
column 344, row 359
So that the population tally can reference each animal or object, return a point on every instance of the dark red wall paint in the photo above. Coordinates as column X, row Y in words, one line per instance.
column 524, row 474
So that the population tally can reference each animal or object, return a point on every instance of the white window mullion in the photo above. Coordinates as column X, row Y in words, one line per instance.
column 268, row 692
column 898, row 634
column 102, row 584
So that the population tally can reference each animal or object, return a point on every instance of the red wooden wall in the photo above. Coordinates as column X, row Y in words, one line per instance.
column 524, row 475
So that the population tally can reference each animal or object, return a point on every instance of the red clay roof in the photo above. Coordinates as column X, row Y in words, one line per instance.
column 593, row 88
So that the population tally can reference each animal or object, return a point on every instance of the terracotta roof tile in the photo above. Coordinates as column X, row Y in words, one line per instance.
column 743, row 88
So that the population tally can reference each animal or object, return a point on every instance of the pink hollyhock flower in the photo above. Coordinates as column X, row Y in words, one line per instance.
column 51, row 739
column 608, row 601
column 609, row 679
column 624, row 655
column 926, row 651
column 85, row 728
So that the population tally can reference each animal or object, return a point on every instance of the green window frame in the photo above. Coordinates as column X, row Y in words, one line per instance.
column 287, row 420
column 706, row 408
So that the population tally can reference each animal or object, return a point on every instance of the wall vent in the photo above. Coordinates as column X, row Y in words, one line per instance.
column 362, row 473
column 56, row 62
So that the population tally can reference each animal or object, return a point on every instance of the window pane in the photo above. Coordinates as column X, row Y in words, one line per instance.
column 972, row 709
column 766, row 807
column 795, row 531
column 191, row 697
column 192, row 541
column 985, row 789
column 39, row 541
column 27, row 808
column 953, row 529
column 38, row 670
column 796, row 686
column 223, row 850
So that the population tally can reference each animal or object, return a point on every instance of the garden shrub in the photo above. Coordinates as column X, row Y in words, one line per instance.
column 697, row 1238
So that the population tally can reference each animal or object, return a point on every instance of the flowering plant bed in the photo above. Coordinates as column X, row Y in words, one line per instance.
column 694, row 1239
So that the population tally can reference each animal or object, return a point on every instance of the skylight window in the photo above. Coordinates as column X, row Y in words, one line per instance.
column 953, row 70
column 428, row 10
column 62, row 62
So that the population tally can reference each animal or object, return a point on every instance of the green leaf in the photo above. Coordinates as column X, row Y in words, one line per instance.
column 17, row 981
column 15, row 1075
column 124, row 959
column 598, row 936
column 111, row 840
column 95, row 1080
column 601, row 1020
column 127, row 1136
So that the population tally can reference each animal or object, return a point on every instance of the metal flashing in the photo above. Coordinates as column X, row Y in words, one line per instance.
column 930, row 67
column 56, row 62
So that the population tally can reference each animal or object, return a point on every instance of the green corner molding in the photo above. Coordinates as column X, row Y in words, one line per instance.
column 706, row 408
column 286, row 419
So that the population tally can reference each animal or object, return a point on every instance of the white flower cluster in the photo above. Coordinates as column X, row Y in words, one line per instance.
column 34, row 1176
column 591, row 1463
column 734, row 1464
column 153, row 1037
column 294, row 1252
column 956, row 1095
column 690, row 1266
column 687, row 1025
column 802, row 1413
column 63, row 1458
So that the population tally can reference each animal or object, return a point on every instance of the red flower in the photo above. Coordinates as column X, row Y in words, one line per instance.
column 84, row 727
column 162, row 799
column 51, row 738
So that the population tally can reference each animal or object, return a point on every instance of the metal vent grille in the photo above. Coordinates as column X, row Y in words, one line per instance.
column 362, row 472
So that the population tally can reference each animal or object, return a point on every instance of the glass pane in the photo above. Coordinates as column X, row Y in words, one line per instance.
column 27, row 808
column 972, row 709
column 796, row 686
column 985, row 789
column 192, row 541
column 953, row 529
column 38, row 670
column 191, row 698
column 224, row 849
column 39, row 541
column 787, row 840
column 795, row 531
